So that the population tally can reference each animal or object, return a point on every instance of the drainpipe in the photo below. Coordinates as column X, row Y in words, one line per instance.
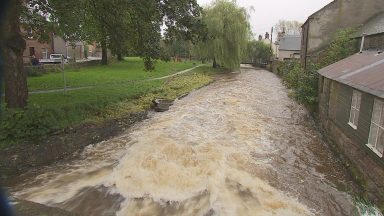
column 362, row 42
column 307, row 41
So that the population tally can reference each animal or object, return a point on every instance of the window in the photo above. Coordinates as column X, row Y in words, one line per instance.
column 355, row 109
column 31, row 51
column 30, row 33
column 376, row 133
column 45, row 53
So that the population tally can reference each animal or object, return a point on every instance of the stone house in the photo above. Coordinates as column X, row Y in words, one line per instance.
column 288, row 47
column 351, row 106
column 320, row 27
column 55, row 44
column 374, row 33
column 351, row 111
column 73, row 50
column 41, row 50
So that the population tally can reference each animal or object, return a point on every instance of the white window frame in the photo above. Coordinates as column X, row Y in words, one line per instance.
column 355, row 109
column 379, row 125
column 45, row 53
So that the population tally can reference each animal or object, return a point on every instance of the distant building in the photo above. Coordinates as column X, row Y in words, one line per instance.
column 72, row 50
column 320, row 27
column 41, row 50
column 268, row 41
column 56, row 44
column 288, row 47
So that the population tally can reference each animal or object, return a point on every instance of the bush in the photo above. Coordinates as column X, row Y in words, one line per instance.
column 149, row 63
column 304, row 83
column 307, row 86
column 29, row 124
column 37, row 70
column 291, row 77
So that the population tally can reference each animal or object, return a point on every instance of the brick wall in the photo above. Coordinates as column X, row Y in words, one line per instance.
column 36, row 48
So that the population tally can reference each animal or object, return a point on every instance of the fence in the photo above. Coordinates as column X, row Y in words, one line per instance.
column 38, row 70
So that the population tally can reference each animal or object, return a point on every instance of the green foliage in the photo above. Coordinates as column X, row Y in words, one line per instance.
column 27, row 124
column 307, row 86
column 125, row 27
column 304, row 83
column 341, row 47
column 258, row 52
column 228, row 31
column 291, row 73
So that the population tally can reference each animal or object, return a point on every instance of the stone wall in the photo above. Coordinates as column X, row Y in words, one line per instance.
column 320, row 28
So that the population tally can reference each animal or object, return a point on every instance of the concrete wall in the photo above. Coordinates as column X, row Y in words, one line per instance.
column 288, row 54
column 320, row 27
column 334, row 109
column 65, row 48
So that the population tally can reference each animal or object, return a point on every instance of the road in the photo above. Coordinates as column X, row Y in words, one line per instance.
column 239, row 146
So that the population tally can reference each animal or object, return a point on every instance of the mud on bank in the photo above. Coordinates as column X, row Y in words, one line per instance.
column 17, row 159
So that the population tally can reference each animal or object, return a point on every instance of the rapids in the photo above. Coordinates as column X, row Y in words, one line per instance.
column 239, row 146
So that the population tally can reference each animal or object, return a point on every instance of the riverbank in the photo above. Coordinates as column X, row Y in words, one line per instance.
column 115, row 118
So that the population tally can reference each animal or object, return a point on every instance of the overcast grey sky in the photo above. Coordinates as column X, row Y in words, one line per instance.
column 268, row 12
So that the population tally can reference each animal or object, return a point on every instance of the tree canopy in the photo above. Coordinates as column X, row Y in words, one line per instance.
column 258, row 52
column 119, row 25
column 227, row 33
column 290, row 27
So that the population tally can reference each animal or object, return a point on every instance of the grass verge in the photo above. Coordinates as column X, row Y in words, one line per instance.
column 131, row 69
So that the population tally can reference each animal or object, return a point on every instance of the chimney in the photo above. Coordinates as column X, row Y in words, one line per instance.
column 362, row 42
column 266, row 35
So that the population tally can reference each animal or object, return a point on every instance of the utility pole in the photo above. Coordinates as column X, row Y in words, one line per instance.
column 64, row 78
column 271, row 42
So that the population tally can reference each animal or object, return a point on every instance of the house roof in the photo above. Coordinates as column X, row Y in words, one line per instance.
column 374, row 26
column 290, row 42
column 363, row 71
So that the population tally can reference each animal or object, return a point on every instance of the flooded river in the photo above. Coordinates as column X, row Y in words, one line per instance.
column 240, row 146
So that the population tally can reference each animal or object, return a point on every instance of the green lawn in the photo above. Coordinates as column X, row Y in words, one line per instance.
column 131, row 69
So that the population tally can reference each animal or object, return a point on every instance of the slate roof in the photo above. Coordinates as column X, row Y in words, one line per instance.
column 363, row 71
column 290, row 42
column 374, row 26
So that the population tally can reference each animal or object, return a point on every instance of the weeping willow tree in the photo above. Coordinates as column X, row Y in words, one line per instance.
column 227, row 34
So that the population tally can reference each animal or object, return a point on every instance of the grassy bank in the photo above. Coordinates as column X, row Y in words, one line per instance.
column 131, row 69
column 54, row 112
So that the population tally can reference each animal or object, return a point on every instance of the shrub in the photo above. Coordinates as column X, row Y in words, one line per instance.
column 149, row 63
column 291, row 77
column 307, row 91
column 304, row 83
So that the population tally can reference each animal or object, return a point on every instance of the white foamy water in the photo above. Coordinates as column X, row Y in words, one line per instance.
column 215, row 152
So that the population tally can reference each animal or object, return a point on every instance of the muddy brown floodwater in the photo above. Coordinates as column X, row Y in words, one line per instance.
column 240, row 146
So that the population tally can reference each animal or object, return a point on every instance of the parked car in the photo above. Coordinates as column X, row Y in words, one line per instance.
column 54, row 59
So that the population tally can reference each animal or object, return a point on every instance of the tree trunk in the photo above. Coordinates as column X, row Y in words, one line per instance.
column 104, row 57
column 214, row 63
column 16, row 91
column 119, row 56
